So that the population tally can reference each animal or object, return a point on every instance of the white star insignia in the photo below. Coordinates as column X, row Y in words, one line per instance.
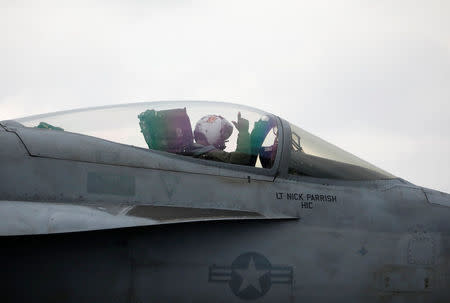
column 251, row 276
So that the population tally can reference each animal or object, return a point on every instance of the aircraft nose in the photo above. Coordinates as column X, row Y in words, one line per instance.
column 437, row 197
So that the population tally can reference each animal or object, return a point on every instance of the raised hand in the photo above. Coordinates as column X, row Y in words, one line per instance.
column 241, row 124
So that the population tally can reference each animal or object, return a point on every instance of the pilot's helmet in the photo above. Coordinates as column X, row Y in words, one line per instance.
column 213, row 130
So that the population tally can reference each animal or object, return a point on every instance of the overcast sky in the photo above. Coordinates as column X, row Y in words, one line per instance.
column 372, row 77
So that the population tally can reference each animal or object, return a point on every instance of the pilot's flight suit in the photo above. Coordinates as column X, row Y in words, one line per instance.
column 241, row 156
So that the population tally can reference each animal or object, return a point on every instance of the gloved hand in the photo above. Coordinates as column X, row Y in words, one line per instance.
column 242, row 124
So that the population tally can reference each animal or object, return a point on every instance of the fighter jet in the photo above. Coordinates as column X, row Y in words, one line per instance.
column 207, row 202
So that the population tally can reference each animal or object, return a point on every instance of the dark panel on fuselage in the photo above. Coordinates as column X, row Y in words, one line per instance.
column 227, row 261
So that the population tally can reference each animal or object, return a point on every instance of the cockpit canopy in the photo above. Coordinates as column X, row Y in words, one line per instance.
column 220, row 132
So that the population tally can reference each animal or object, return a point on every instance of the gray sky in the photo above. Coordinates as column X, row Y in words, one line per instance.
column 372, row 77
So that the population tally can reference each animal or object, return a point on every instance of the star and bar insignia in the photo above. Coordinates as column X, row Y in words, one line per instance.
column 251, row 275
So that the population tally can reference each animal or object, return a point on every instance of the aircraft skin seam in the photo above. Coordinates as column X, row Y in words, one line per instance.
column 426, row 196
column 20, row 139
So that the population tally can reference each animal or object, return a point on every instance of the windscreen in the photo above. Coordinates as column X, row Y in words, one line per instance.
column 314, row 157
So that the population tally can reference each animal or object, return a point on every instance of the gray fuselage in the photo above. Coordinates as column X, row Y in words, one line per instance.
column 87, row 220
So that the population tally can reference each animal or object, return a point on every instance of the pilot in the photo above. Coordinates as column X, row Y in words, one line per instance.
column 212, row 132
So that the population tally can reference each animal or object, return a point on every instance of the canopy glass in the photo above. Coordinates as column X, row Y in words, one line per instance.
column 215, row 131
